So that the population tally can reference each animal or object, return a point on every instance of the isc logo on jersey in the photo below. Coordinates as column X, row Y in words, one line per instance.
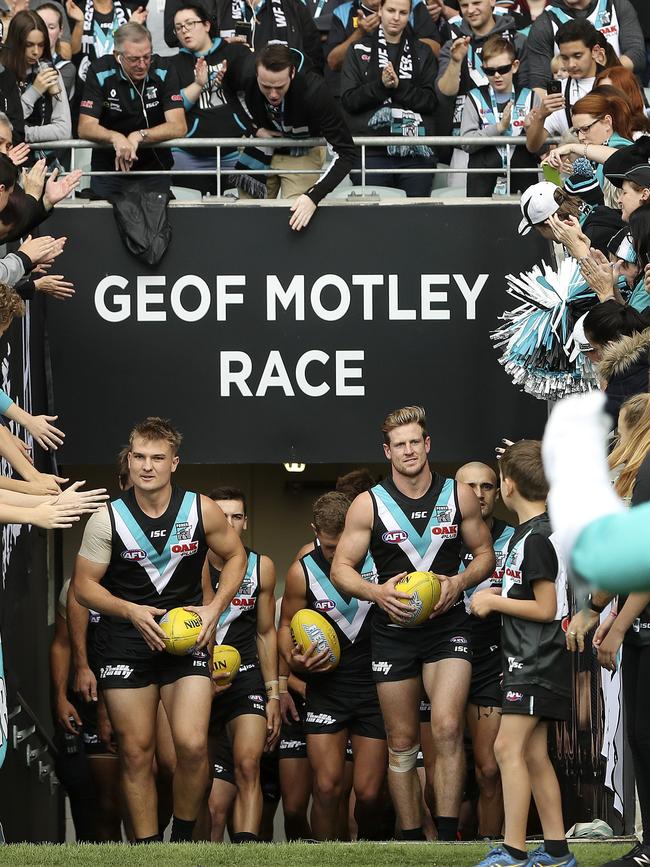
column 133, row 554
column 185, row 549
column 394, row 537
column 324, row 605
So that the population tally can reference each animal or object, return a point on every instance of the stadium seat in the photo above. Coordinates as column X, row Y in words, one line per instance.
column 353, row 193
column 186, row 194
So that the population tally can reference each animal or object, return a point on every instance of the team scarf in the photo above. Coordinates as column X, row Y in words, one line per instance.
column 279, row 30
column 91, row 48
column 398, row 121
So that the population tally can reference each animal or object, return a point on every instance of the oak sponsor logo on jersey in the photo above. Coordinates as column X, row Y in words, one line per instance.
column 394, row 537
column 324, row 604
column 513, row 574
column 133, row 554
column 244, row 601
column 448, row 530
column 185, row 549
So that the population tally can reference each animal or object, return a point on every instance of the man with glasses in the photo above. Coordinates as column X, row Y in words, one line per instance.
column 582, row 55
column 131, row 98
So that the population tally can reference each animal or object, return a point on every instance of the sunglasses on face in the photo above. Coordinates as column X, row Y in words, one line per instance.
column 497, row 70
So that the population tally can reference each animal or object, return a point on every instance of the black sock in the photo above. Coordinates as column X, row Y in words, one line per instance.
column 182, row 830
column 412, row 834
column 244, row 837
column 447, row 827
column 155, row 838
column 519, row 854
column 556, row 848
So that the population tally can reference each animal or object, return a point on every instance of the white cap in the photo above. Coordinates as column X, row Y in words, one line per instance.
column 537, row 204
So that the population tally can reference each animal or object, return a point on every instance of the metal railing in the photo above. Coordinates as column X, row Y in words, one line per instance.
column 364, row 142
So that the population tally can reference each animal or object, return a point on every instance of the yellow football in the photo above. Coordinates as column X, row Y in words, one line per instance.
column 226, row 660
column 424, row 590
column 309, row 627
column 181, row 628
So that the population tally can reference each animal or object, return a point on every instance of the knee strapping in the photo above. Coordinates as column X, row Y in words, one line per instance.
column 402, row 761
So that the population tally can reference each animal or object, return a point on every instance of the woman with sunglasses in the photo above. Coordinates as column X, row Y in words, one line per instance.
column 493, row 109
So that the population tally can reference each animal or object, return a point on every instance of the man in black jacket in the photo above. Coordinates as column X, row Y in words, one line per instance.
column 283, row 101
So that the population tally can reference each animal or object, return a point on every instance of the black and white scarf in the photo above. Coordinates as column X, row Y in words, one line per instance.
column 399, row 121
column 279, row 29
column 90, row 48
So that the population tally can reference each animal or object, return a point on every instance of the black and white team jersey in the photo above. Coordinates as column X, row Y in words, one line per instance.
column 486, row 631
column 421, row 534
column 155, row 561
column 237, row 625
column 350, row 618
column 535, row 654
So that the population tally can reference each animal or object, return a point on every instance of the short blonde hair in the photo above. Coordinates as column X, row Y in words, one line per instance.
column 156, row 428
column 329, row 513
column 405, row 415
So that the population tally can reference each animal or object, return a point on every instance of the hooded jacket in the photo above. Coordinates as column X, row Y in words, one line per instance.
column 504, row 25
column 541, row 39
column 625, row 367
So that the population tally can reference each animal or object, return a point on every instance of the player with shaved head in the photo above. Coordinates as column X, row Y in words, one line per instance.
column 484, row 705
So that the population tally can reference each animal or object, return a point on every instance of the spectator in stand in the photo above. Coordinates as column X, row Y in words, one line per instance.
column 387, row 88
column 131, row 97
column 625, row 80
column 497, row 109
column 9, row 8
column 643, row 12
column 211, row 104
column 95, row 23
column 284, row 101
column 10, row 103
column 616, row 19
column 26, row 53
column 584, row 59
column 353, row 21
column 604, row 123
column 271, row 22
column 53, row 15
column 523, row 11
column 461, row 67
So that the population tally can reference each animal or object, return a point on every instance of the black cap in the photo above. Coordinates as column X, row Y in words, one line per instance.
column 638, row 175
column 620, row 163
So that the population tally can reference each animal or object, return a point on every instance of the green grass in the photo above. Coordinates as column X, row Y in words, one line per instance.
column 278, row 855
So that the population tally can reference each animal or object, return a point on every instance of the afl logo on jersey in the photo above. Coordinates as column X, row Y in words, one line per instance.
column 394, row 537
column 133, row 554
column 324, row 605
column 185, row 549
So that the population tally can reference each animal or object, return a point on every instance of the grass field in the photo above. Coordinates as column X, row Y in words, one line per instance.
column 279, row 855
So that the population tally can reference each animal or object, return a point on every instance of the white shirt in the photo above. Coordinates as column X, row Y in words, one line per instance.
column 556, row 124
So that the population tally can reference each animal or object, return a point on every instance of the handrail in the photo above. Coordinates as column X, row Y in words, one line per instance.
column 40, row 729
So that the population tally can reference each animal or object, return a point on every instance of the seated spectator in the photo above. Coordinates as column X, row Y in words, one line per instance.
column 615, row 18
column 497, row 109
column 387, row 89
column 27, row 54
column 210, row 102
column 584, row 58
column 131, row 98
column 284, row 101
column 353, row 21
column 281, row 22
column 95, row 23
column 461, row 67
column 53, row 15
